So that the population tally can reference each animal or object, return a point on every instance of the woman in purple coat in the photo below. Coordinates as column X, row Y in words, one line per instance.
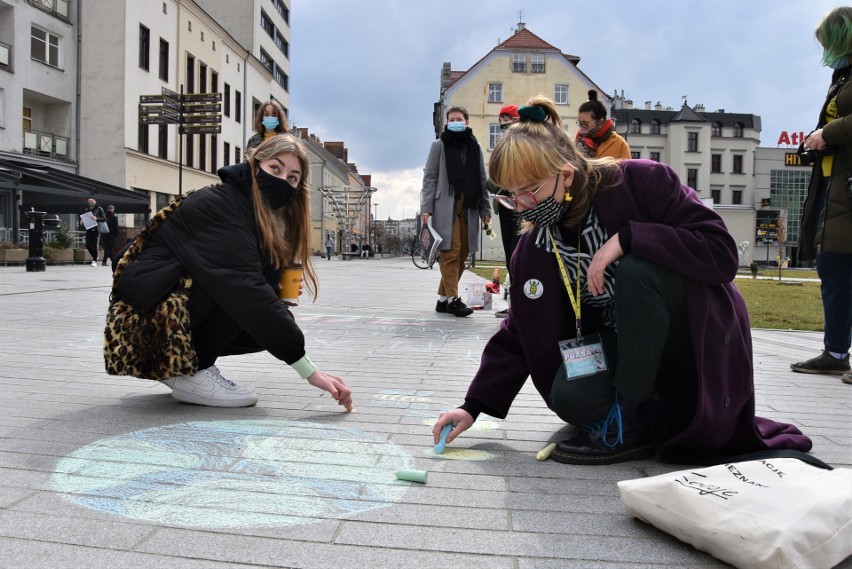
column 623, row 310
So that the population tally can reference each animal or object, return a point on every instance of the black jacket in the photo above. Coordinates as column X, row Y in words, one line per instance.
column 212, row 236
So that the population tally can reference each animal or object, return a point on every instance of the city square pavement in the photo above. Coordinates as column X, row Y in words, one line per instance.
column 102, row 471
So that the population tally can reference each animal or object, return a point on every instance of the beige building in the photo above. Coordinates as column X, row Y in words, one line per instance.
column 515, row 70
column 177, row 46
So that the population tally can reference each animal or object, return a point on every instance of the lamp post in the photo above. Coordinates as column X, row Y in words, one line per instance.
column 375, row 219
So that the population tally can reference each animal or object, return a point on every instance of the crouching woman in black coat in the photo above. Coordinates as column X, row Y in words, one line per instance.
column 201, row 281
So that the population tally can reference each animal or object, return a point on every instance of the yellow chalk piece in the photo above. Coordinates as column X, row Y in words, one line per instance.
column 349, row 408
column 544, row 453
column 412, row 475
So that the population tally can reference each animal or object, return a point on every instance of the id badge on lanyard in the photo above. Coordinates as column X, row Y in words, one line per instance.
column 583, row 356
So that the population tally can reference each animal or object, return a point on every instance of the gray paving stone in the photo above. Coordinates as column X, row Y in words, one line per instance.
column 406, row 364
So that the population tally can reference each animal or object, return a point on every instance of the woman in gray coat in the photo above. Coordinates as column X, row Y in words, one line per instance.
column 455, row 197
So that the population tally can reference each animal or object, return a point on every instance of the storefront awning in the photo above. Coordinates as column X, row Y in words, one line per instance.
column 55, row 191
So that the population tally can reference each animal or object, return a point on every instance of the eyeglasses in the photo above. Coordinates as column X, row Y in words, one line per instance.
column 584, row 124
column 527, row 199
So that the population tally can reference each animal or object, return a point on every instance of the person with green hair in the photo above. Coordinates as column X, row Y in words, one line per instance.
column 826, row 229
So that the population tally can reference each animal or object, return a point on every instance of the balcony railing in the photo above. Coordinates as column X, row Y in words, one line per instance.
column 59, row 8
column 46, row 144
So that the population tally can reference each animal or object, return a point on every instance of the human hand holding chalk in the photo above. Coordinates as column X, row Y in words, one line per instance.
column 442, row 441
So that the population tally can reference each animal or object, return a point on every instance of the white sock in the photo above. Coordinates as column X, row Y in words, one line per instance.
column 837, row 356
column 442, row 298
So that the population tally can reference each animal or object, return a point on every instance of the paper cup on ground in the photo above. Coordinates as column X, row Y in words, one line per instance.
column 290, row 281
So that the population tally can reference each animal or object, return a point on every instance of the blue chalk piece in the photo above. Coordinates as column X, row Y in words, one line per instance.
column 442, row 442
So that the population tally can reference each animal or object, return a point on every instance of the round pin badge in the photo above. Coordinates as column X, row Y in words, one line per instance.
column 533, row 288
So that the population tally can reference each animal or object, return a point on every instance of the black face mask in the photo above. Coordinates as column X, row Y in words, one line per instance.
column 276, row 191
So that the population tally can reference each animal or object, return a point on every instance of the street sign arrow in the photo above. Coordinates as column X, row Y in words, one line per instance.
column 201, row 129
column 202, row 97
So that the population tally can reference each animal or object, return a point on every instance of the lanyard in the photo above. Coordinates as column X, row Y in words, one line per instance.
column 574, row 299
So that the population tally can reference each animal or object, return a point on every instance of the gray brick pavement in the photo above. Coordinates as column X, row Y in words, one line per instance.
column 99, row 471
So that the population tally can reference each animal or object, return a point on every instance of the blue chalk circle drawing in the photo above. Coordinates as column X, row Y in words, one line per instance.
column 230, row 474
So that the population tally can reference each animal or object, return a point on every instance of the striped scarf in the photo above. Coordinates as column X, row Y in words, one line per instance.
column 593, row 238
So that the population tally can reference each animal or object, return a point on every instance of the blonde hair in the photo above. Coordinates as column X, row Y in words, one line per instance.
column 285, row 233
column 537, row 148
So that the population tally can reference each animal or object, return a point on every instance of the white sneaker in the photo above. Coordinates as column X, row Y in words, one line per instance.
column 208, row 387
column 94, row 263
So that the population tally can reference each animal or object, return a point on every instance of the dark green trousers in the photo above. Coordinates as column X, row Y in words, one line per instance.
column 651, row 348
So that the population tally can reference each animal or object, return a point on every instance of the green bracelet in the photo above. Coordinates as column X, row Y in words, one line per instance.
column 304, row 367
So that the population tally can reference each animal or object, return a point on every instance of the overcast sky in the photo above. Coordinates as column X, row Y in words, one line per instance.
column 367, row 73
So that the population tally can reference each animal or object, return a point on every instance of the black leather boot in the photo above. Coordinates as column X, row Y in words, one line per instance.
column 623, row 434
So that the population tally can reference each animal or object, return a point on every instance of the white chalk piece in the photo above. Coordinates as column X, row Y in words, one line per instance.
column 544, row 453
column 412, row 475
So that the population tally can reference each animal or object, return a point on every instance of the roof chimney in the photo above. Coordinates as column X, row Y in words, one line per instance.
column 699, row 108
column 628, row 104
column 647, row 105
column 521, row 26
column 658, row 106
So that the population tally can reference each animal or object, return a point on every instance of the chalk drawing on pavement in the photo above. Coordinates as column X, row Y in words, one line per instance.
column 229, row 474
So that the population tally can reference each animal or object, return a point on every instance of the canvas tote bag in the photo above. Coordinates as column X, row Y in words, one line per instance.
column 770, row 512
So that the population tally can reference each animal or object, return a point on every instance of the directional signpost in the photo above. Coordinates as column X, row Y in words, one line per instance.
column 194, row 113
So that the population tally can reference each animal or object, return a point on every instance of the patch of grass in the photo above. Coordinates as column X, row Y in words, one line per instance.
column 782, row 306
column 770, row 304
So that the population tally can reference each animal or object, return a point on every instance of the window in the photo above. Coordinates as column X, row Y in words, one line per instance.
column 214, row 82
column 692, row 178
column 164, row 60
column 266, row 61
column 635, row 126
column 238, row 107
column 655, row 156
column 27, row 119
column 226, row 153
column 190, row 74
column 282, row 9
column 494, row 133
column 560, row 94
column 655, row 126
column 189, row 150
column 237, row 156
column 635, row 155
column 143, row 138
column 144, row 47
column 202, row 78
column 716, row 129
column 58, row 8
column 282, row 44
column 692, row 142
column 537, row 63
column 716, row 163
column 44, row 46
column 227, row 102
column 5, row 56
column 202, row 152
column 716, row 195
column 281, row 78
column 738, row 164
column 267, row 24
column 214, row 153
column 738, row 130
column 163, row 142
column 495, row 92
column 519, row 63
column 737, row 197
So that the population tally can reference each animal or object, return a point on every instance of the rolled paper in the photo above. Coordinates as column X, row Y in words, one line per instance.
column 412, row 475
column 544, row 453
column 442, row 441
